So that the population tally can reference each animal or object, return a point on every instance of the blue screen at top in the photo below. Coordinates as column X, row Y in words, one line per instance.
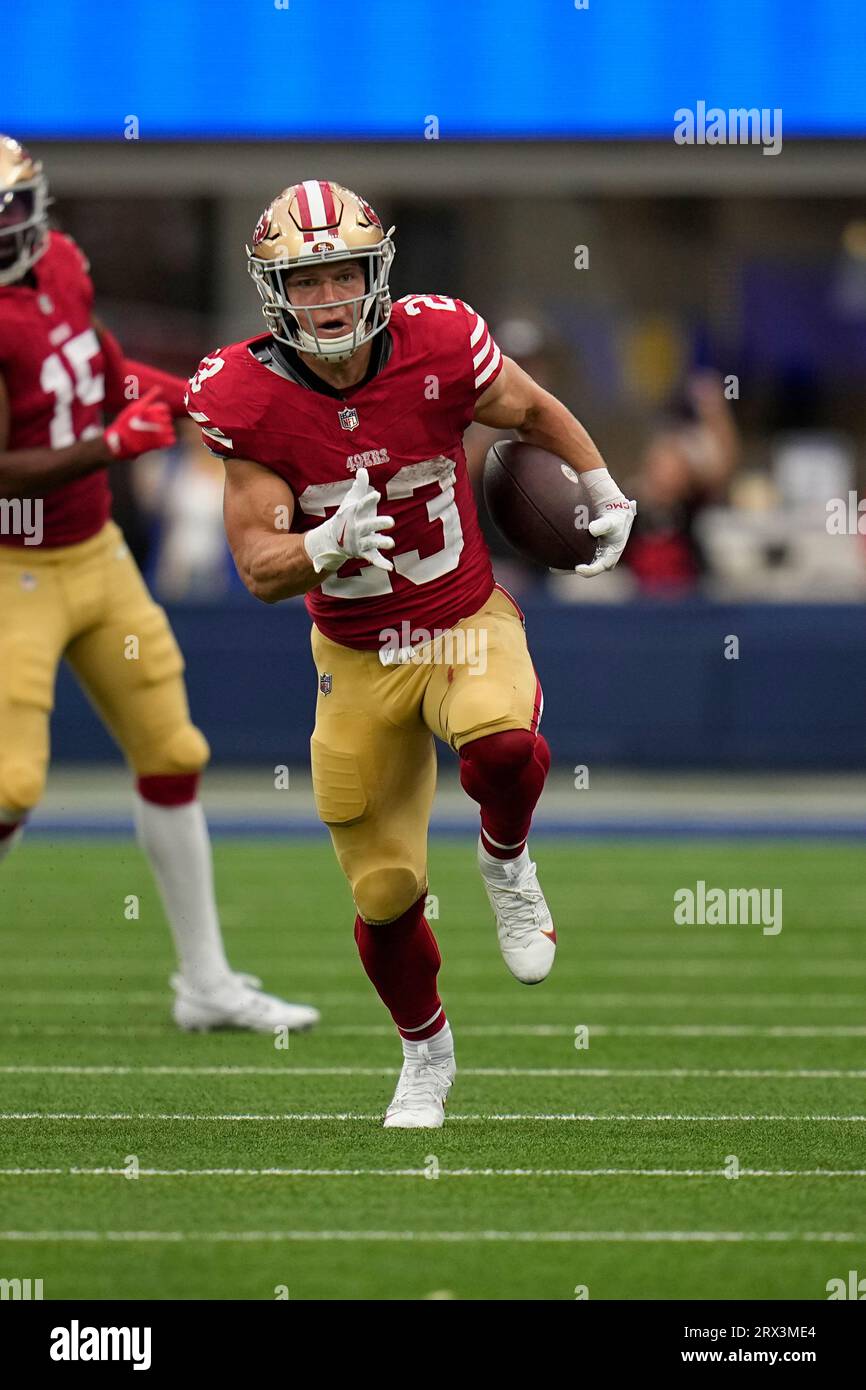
column 380, row 68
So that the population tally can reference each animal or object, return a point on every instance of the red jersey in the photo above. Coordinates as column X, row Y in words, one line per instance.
column 405, row 425
column 52, row 365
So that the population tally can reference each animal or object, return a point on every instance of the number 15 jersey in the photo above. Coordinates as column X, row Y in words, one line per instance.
column 53, row 367
column 405, row 426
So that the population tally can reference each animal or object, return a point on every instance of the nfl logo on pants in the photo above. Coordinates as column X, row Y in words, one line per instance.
column 326, row 682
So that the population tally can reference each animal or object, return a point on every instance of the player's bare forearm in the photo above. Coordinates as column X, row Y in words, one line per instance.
column 274, row 568
column 26, row 472
column 549, row 425
column 122, row 372
column 515, row 401
column 258, row 508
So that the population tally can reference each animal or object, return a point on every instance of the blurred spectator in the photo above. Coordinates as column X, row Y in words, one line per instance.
column 183, row 492
column 686, row 467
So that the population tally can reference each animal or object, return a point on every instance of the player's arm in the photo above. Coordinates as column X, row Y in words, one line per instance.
column 25, row 470
column 119, row 369
column 258, row 509
column 143, row 425
column 515, row 401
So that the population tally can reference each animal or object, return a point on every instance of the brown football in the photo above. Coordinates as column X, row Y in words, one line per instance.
column 539, row 505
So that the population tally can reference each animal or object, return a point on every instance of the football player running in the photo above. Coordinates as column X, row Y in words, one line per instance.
column 341, row 431
column 70, row 589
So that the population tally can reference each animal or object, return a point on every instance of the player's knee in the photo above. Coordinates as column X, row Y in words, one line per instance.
column 385, row 893
column 186, row 750
column 501, row 756
column 21, row 785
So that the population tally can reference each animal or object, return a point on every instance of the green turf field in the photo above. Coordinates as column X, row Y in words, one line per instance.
column 704, row 1043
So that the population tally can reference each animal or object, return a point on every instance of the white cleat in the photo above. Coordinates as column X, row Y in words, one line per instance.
column 419, row 1100
column 239, row 1003
column 527, row 937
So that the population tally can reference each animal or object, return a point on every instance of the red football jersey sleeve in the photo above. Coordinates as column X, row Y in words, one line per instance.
column 486, row 356
column 464, row 340
column 405, row 426
column 52, row 364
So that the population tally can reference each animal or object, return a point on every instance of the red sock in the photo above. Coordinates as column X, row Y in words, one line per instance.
column 505, row 774
column 402, row 960
column 170, row 788
column 6, row 829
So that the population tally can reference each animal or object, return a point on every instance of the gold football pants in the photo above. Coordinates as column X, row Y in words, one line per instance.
column 373, row 760
column 87, row 603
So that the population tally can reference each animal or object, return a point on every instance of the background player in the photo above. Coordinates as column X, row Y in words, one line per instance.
column 344, row 387
column 77, row 593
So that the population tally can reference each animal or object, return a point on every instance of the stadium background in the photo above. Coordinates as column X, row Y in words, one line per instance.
column 699, row 258
column 164, row 130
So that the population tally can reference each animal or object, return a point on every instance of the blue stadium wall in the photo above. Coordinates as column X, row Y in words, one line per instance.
column 644, row 686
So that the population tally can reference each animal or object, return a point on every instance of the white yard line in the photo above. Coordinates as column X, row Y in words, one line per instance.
column 441, row 1237
column 606, row 1073
column 15, row 1115
column 471, row 1030
column 440, row 1173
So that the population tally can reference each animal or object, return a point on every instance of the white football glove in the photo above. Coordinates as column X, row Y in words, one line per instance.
column 611, row 526
column 354, row 532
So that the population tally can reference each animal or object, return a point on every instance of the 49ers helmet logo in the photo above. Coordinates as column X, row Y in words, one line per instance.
column 263, row 226
column 369, row 213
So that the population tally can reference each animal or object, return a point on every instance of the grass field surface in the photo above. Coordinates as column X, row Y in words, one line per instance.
column 263, row 1172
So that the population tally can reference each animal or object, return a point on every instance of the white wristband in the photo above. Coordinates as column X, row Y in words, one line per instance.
column 320, row 545
column 601, row 488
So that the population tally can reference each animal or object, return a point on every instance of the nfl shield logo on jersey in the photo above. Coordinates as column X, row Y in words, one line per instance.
column 349, row 418
column 326, row 683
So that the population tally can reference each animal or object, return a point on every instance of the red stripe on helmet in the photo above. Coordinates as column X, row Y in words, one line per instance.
column 304, row 207
column 304, row 211
column 330, row 207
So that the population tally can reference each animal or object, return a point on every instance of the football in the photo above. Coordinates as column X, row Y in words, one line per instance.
column 539, row 505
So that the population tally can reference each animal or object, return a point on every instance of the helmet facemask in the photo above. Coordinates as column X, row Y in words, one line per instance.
column 23, row 227
column 293, row 324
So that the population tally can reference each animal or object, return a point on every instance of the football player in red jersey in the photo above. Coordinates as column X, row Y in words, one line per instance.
column 346, row 481
column 70, row 589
